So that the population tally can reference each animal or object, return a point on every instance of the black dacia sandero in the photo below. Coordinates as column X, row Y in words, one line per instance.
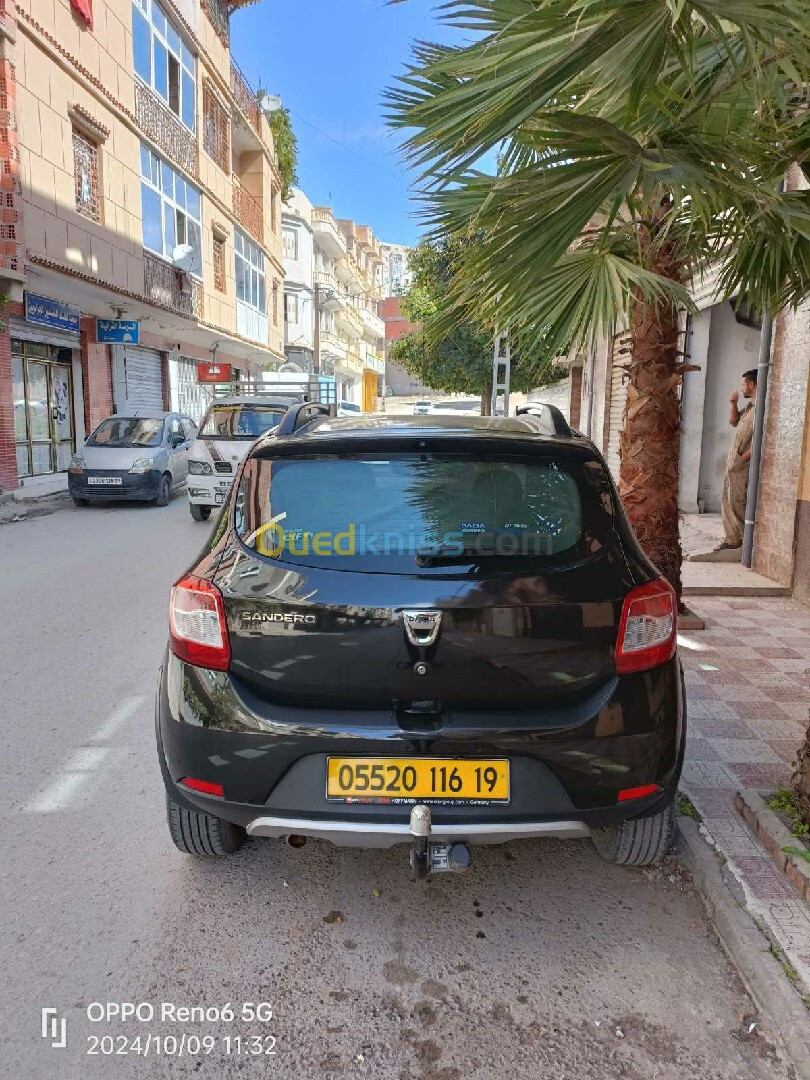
column 434, row 630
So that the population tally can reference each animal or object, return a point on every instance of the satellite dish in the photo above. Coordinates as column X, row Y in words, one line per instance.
column 183, row 258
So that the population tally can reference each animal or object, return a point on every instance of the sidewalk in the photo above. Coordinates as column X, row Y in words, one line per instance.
column 748, row 690
column 724, row 575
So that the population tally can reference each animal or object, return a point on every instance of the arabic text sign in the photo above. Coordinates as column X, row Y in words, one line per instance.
column 47, row 312
column 118, row 331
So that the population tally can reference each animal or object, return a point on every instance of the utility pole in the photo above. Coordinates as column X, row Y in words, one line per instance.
column 317, row 337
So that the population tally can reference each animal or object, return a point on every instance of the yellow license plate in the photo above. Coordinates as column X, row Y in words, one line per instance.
column 417, row 780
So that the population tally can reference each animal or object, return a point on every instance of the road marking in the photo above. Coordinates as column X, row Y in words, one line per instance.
column 120, row 714
column 79, row 767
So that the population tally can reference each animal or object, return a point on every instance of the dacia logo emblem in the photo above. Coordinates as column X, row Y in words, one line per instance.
column 422, row 627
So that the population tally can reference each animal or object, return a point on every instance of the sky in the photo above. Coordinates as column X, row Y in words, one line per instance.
column 331, row 61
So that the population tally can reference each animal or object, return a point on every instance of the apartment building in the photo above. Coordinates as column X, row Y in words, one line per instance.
column 334, row 273
column 141, row 219
column 396, row 275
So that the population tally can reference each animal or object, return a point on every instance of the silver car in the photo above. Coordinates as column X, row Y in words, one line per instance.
column 139, row 455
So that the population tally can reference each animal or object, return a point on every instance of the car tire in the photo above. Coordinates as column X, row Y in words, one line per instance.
column 194, row 833
column 199, row 511
column 639, row 842
column 80, row 502
column 164, row 492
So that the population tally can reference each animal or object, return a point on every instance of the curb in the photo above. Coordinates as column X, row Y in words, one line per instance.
column 748, row 949
column 775, row 837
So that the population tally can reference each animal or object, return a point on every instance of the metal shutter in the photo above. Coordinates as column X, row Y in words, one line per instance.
column 618, row 397
column 187, row 395
column 137, row 378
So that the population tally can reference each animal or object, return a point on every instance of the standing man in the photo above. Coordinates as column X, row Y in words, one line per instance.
column 735, row 488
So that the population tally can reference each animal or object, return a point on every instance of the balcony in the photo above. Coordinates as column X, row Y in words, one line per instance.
column 348, row 318
column 332, row 347
column 327, row 233
column 166, row 287
column 248, row 211
column 245, row 98
column 325, row 280
column 159, row 124
column 219, row 16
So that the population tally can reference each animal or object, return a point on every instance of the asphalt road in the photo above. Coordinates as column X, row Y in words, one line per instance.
column 542, row 962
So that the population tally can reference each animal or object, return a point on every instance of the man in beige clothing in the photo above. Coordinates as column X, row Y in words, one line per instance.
column 735, row 488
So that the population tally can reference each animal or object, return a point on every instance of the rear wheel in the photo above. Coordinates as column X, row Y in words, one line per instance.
column 80, row 502
column 199, row 512
column 164, row 491
column 639, row 842
column 201, row 834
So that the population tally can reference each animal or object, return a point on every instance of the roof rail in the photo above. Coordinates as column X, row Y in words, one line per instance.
column 552, row 421
column 297, row 415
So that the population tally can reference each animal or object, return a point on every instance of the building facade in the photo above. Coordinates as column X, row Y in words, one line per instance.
column 396, row 276
column 140, row 188
column 334, row 272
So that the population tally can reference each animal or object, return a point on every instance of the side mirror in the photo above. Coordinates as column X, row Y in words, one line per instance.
column 176, row 440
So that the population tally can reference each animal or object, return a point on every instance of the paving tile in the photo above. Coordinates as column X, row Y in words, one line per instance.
column 756, row 709
column 704, row 709
column 734, row 751
column 782, row 693
column 762, row 774
column 710, row 774
column 701, row 750
column 763, row 879
column 786, row 749
column 792, row 918
column 715, row 803
column 722, row 728
column 734, row 838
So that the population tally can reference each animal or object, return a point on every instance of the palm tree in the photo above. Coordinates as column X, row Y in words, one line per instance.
column 639, row 141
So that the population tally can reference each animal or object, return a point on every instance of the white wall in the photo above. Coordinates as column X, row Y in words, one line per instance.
column 694, row 394
column 732, row 350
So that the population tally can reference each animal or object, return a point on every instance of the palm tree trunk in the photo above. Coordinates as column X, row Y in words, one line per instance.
column 486, row 399
column 649, row 445
column 801, row 780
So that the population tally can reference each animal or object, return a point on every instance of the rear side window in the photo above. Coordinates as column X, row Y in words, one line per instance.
column 422, row 510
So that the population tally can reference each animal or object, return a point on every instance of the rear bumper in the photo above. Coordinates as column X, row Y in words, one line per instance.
column 135, row 486
column 271, row 761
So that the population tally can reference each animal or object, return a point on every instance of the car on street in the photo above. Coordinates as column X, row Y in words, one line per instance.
column 439, row 632
column 139, row 455
column 422, row 408
column 228, row 429
column 348, row 408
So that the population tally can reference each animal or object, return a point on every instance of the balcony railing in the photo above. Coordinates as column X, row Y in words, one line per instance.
column 167, row 287
column 244, row 96
column 160, row 125
column 217, row 12
column 248, row 211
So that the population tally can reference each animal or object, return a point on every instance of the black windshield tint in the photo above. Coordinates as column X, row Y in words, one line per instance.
column 128, row 432
column 419, row 509
column 240, row 421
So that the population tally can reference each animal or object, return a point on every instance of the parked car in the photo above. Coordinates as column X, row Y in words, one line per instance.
column 228, row 429
column 439, row 632
column 348, row 408
column 422, row 408
column 139, row 455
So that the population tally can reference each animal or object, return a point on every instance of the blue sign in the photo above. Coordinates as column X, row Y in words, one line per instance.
column 118, row 331
column 46, row 312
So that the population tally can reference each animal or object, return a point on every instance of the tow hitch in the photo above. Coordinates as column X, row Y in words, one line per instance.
column 428, row 858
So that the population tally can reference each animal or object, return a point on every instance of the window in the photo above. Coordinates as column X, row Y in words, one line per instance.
column 249, row 266
column 85, row 168
column 170, row 208
column 274, row 208
column 291, row 244
column 219, row 264
column 128, row 434
column 275, row 303
column 290, row 308
column 240, row 421
column 163, row 60
column 216, row 140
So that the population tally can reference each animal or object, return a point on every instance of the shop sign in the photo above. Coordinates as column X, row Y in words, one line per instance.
column 213, row 373
column 118, row 331
column 44, row 311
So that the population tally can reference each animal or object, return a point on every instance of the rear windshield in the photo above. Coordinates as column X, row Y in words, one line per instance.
column 128, row 432
column 240, row 421
column 423, row 510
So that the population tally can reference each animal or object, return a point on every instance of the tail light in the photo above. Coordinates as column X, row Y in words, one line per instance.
column 198, row 632
column 648, row 628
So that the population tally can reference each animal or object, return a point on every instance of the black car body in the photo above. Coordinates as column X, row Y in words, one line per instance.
column 287, row 666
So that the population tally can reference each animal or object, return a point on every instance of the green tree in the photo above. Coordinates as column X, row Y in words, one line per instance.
column 460, row 360
column 639, row 141
column 285, row 142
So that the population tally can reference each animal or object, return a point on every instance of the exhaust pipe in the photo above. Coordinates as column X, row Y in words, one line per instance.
column 294, row 841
